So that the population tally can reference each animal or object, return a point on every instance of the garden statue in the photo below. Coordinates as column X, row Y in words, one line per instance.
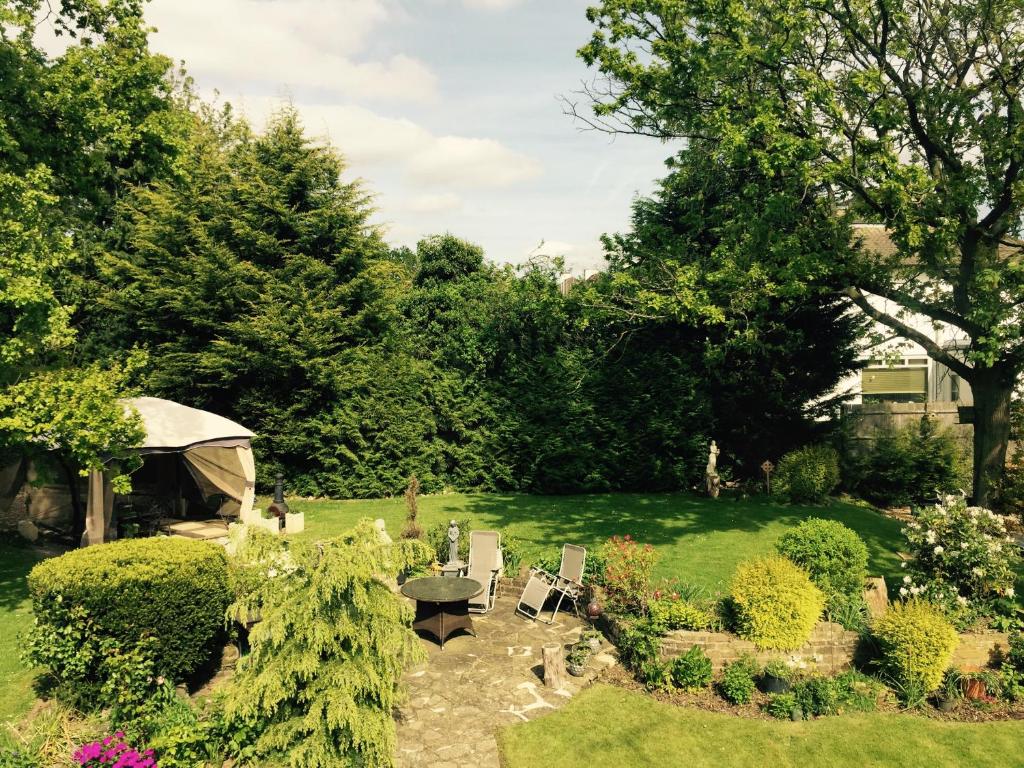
column 453, row 542
column 382, row 532
column 714, row 482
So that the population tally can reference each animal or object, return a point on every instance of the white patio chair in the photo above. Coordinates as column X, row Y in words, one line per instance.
column 568, row 584
column 485, row 564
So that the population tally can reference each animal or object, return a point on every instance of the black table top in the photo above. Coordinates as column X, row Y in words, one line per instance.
column 438, row 589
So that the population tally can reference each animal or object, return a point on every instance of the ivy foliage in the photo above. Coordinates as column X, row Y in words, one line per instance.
column 329, row 650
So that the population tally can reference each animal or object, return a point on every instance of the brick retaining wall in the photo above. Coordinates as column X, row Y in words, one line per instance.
column 830, row 648
column 978, row 650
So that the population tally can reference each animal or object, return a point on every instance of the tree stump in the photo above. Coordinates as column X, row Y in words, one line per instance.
column 554, row 665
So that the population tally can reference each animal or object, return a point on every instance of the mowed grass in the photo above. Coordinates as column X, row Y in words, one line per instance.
column 606, row 727
column 699, row 540
column 16, row 694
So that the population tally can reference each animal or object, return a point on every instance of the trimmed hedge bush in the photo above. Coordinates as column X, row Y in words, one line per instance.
column 917, row 644
column 808, row 474
column 164, row 598
column 835, row 557
column 775, row 604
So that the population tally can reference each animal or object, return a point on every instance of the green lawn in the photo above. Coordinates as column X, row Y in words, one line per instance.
column 607, row 727
column 700, row 540
column 15, row 617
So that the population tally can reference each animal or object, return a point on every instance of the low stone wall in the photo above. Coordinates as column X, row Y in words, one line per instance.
column 978, row 650
column 829, row 650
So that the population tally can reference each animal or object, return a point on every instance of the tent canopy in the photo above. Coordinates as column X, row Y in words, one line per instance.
column 172, row 426
column 217, row 452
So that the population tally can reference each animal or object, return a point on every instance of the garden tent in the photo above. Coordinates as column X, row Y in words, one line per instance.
column 217, row 452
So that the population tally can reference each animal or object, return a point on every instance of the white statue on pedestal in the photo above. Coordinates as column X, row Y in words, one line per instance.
column 711, row 477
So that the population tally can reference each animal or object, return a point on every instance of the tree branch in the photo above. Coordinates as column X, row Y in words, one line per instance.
column 934, row 351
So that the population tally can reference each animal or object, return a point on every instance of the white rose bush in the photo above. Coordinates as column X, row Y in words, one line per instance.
column 962, row 560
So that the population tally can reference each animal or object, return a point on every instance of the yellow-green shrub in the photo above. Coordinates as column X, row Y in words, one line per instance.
column 917, row 643
column 775, row 603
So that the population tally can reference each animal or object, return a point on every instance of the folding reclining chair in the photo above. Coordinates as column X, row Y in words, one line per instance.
column 485, row 563
column 568, row 584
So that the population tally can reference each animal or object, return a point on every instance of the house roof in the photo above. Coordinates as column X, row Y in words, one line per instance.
column 875, row 239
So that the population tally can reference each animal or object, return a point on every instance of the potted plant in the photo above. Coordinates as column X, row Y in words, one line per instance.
column 976, row 686
column 951, row 690
column 576, row 661
column 592, row 638
column 775, row 677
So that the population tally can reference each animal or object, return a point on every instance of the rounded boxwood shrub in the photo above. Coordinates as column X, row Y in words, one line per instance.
column 835, row 557
column 774, row 603
column 808, row 474
column 164, row 598
column 917, row 644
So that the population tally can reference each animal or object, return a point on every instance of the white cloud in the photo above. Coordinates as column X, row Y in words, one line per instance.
column 491, row 5
column 295, row 44
column 425, row 160
column 439, row 203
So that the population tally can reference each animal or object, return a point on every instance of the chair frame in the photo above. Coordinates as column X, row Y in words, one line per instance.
column 491, row 587
column 565, row 586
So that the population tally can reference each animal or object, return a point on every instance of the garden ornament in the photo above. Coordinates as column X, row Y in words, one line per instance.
column 382, row 532
column 453, row 542
column 714, row 482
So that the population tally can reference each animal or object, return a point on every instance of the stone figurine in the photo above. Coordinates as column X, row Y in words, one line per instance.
column 714, row 482
column 713, row 452
column 453, row 542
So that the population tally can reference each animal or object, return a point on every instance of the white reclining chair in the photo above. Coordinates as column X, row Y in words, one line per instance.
column 568, row 584
column 485, row 564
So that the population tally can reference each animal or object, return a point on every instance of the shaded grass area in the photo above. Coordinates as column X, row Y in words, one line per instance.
column 606, row 726
column 16, row 694
column 699, row 540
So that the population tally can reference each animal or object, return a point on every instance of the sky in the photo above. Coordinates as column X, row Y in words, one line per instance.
column 448, row 110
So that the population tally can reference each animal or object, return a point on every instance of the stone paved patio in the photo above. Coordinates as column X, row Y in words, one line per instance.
column 476, row 685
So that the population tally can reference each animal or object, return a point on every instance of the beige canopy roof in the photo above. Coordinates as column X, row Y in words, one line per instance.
column 172, row 426
column 217, row 452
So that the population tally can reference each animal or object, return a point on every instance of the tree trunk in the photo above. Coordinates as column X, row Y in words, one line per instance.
column 77, row 510
column 992, row 389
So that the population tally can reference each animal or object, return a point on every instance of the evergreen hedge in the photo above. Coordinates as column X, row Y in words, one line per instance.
column 168, row 593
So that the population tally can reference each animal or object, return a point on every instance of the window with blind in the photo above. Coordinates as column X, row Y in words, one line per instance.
column 902, row 384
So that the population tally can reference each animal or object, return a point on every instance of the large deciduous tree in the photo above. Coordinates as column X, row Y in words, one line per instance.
column 734, row 254
column 76, row 129
column 909, row 111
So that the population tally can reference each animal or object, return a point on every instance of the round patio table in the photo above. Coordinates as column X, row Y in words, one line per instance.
column 442, row 604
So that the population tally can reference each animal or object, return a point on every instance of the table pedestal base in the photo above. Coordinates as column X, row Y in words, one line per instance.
column 442, row 619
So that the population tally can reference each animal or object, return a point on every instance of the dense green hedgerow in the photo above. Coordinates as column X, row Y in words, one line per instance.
column 775, row 604
column 92, row 605
column 917, row 643
column 907, row 465
column 835, row 556
column 808, row 475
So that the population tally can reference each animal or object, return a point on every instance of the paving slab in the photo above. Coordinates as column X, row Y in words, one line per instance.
column 474, row 686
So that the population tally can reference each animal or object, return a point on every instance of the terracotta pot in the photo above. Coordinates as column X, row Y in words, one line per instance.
column 975, row 689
